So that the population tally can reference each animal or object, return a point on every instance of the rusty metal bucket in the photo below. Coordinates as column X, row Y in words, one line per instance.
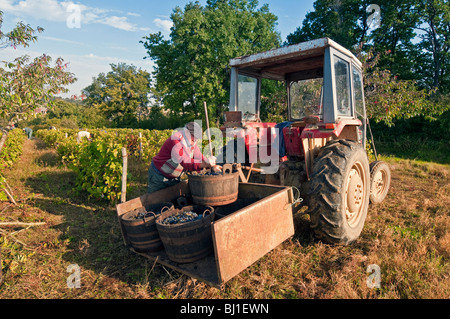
column 190, row 241
column 142, row 232
column 214, row 190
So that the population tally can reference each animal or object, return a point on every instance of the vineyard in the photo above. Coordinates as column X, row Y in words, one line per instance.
column 407, row 235
column 98, row 162
column 9, row 154
column 59, row 195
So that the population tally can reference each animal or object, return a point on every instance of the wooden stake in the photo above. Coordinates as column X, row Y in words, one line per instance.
column 11, row 198
column 123, row 196
column 140, row 145
column 207, row 128
column 3, row 139
column 21, row 224
column 8, row 194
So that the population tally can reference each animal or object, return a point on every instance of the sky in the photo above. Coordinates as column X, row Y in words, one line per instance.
column 91, row 35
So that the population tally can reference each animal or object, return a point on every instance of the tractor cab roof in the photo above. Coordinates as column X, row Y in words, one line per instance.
column 283, row 63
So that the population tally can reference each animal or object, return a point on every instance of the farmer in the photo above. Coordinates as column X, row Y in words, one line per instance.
column 29, row 132
column 179, row 153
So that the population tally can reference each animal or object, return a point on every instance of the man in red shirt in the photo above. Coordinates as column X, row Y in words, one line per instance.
column 179, row 153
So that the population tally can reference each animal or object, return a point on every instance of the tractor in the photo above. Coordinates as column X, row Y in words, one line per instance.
column 322, row 144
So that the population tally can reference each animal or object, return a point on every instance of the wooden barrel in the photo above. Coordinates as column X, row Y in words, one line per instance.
column 214, row 190
column 142, row 232
column 190, row 241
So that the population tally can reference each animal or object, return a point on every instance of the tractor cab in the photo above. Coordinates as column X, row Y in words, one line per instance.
column 323, row 80
column 325, row 98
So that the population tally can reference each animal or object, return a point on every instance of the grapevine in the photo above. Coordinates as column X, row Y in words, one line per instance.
column 98, row 163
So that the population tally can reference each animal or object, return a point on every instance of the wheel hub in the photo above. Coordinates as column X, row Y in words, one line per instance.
column 378, row 183
column 354, row 196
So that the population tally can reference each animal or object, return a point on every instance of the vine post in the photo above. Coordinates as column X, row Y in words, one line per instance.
column 3, row 139
column 123, row 195
column 140, row 146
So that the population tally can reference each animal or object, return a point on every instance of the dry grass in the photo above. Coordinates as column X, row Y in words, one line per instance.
column 407, row 236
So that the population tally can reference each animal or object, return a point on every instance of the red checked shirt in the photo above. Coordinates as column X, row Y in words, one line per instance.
column 177, row 155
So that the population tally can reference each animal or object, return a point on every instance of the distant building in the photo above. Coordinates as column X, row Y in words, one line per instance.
column 41, row 110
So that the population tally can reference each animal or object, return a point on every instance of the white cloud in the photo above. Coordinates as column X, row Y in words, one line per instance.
column 50, row 10
column 60, row 40
column 133, row 14
column 120, row 23
column 163, row 24
column 53, row 10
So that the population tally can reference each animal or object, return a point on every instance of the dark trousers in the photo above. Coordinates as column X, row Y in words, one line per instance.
column 157, row 181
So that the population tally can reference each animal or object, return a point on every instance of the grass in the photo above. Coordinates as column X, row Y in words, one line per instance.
column 407, row 236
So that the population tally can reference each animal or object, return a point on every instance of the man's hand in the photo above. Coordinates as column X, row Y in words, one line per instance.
column 217, row 168
column 212, row 161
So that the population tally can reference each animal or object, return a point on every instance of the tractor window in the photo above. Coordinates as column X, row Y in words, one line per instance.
column 247, row 96
column 358, row 92
column 306, row 98
column 342, row 80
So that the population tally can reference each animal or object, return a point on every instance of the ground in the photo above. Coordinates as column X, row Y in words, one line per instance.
column 407, row 236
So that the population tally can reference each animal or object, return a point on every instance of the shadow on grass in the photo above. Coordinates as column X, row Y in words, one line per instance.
column 48, row 159
column 420, row 149
column 91, row 229
column 40, row 144
column 54, row 184
column 94, row 239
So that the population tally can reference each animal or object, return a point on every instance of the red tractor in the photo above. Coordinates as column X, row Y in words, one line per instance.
column 322, row 144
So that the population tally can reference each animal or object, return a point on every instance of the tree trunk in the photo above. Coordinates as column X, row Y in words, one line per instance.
column 3, row 139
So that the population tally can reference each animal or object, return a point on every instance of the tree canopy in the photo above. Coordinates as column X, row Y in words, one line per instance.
column 191, row 66
column 26, row 85
column 415, row 33
column 121, row 94
column 406, row 56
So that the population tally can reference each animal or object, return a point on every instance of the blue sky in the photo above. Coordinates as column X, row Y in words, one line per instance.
column 109, row 31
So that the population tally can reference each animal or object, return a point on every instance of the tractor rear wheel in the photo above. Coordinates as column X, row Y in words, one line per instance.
column 339, row 192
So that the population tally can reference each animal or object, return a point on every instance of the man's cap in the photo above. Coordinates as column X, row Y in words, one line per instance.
column 195, row 129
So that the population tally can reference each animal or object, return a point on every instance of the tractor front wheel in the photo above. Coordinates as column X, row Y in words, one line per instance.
column 339, row 192
column 380, row 179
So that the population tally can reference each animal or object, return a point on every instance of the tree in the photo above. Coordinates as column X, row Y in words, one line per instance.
column 433, row 60
column 25, row 86
column 121, row 94
column 191, row 67
column 403, row 70
column 344, row 21
column 397, row 35
column 21, row 35
column 388, row 97
column 66, row 111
